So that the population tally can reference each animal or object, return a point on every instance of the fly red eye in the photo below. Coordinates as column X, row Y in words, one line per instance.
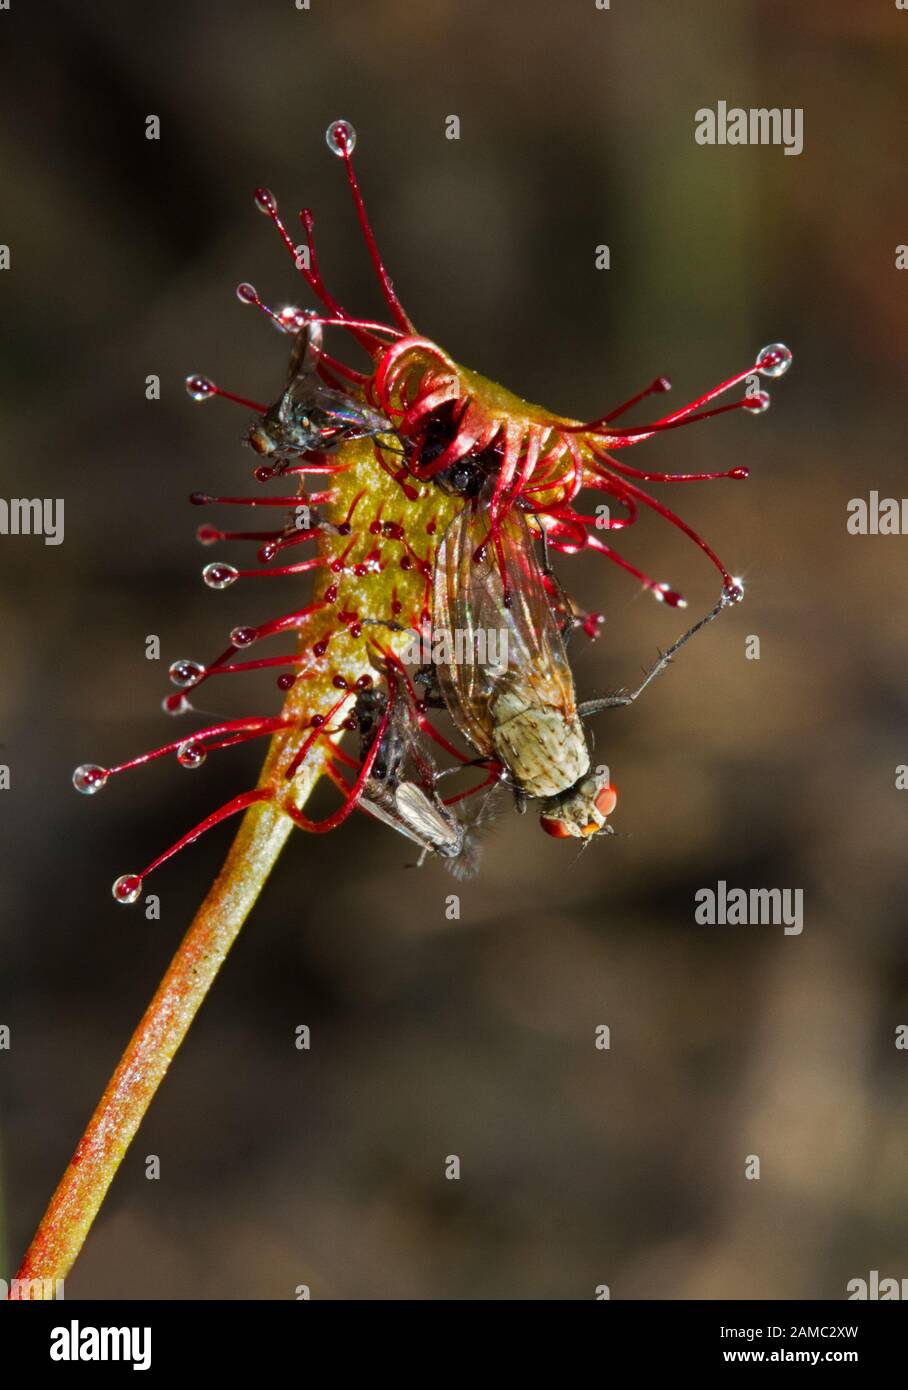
column 553, row 827
column 606, row 801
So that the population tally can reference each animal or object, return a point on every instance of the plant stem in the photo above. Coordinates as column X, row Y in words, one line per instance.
column 154, row 1044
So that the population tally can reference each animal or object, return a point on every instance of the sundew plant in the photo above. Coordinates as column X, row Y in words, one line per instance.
column 425, row 509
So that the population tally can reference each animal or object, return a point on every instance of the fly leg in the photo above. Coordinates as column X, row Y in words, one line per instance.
column 563, row 605
column 589, row 707
column 560, row 594
column 467, row 762
column 379, row 438
column 427, row 677
column 391, row 624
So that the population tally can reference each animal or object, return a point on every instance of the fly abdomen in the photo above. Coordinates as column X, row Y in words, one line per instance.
column 544, row 750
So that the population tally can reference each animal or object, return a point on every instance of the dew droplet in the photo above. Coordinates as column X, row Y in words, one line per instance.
column 208, row 535
column 199, row 499
column 191, row 754
column 220, row 576
column 758, row 403
column 263, row 474
column 177, row 703
column 341, row 138
column 127, row 888
column 774, row 360
column 89, row 778
column 286, row 681
column 186, row 672
column 246, row 293
column 268, row 551
column 734, row 592
column 243, row 636
column 266, row 202
column 200, row 388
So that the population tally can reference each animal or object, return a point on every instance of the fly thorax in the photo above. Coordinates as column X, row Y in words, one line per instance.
column 544, row 750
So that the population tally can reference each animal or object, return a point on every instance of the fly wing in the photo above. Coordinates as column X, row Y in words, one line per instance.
column 470, row 608
column 463, row 686
column 437, row 826
column 404, row 795
column 415, row 762
column 304, row 353
column 306, row 393
column 538, row 659
column 390, row 817
column 331, row 412
column 304, row 386
column 410, row 812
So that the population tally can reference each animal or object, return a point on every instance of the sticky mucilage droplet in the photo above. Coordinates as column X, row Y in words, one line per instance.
column 340, row 138
column 183, row 673
column 191, row 754
column 127, row 888
column 774, row 361
column 90, row 778
column 200, row 388
column 219, row 575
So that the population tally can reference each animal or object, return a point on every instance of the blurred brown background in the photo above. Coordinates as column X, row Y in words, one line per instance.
column 474, row 1037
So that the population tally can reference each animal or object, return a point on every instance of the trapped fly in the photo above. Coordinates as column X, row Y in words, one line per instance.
column 521, row 713
column 400, row 789
column 310, row 415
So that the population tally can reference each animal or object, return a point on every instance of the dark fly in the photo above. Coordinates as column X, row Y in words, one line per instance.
column 466, row 477
column 400, row 789
column 309, row 415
